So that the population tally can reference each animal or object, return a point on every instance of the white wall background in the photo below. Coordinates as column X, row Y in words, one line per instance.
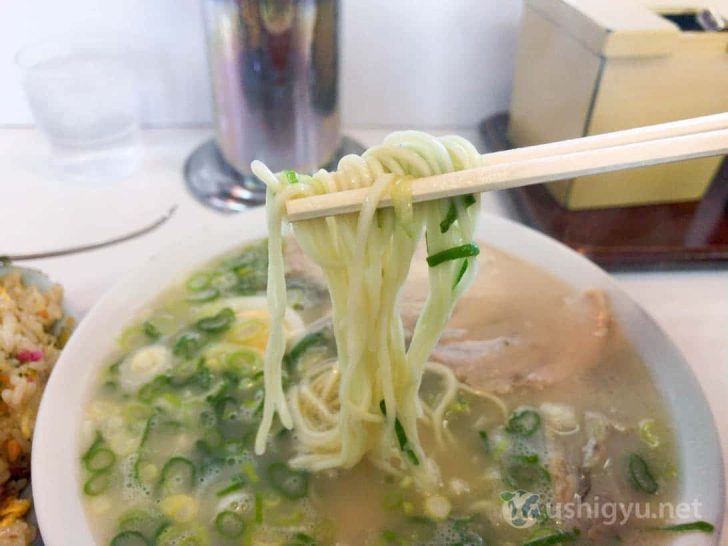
column 419, row 63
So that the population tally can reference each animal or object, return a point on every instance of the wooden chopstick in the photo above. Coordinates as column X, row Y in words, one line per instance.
column 690, row 126
column 664, row 143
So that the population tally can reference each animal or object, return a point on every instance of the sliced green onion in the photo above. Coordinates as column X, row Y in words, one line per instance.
column 484, row 440
column 150, row 330
column 404, row 443
column 98, row 483
column 401, row 436
column 452, row 212
column 524, row 472
column 302, row 539
column 390, row 538
column 640, row 475
column 188, row 344
column 173, row 535
column 450, row 217
column 96, row 445
column 291, row 176
column 101, row 458
column 208, row 294
column 110, row 386
column 185, row 372
column 648, row 434
column 461, row 273
column 530, row 458
column 156, row 540
column 293, row 484
column 463, row 251
column 129, row 538
column 178, row 474
column 153, row 389
column 314, row 339
column 224, row 280
column 141, row 521
column 229, row 524
column 258, row 508
column 701, row 526
column 227, row 408
column 560, row 537
column 198, row 281
column 237, row 483
column 244, row 361
column 392, row 500
column 217, row 323
column 523, row 422
column 114, row 368
column 151, row 424
column 233, row 447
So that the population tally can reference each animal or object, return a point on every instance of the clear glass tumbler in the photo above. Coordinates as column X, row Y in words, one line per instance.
column 84, row 99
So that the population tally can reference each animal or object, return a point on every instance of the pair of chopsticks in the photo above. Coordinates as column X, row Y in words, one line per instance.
column 641, row 147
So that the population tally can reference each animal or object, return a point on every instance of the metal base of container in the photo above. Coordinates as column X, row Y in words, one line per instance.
column 218, row 185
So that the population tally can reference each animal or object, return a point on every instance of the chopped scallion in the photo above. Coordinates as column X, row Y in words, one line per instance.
column 129, row 538
column 178, row 474
column 216, row 323
column 640, row 475
column 462, row 251
column 258, row 508
column 450, row 217
column 237, row 483
column 151, row 331
column 401, row 436
column 101, row 458
column 461, row 273
column 98, row 483
column 559, row 537
column 701, row 526
column 207, row 294
column 293, row 484
column 198, row 281
column 229, row 524
column 484, row 440
column 523, row 422
column 291, row 176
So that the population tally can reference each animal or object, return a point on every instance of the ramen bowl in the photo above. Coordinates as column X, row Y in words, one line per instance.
column 57, row 479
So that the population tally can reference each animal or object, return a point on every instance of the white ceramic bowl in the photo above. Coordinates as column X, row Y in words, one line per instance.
column 55, row 467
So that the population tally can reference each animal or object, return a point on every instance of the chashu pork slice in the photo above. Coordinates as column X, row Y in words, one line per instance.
column 517, row 325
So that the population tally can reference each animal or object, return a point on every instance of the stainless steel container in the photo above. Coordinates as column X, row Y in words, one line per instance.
column 274, row 72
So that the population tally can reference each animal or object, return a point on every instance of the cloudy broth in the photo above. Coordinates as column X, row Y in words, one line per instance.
column 170, row 424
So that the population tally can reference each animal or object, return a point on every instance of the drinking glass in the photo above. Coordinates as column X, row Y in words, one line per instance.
column 83, row 95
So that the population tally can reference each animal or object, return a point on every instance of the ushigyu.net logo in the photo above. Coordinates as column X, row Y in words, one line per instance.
column 523, row 509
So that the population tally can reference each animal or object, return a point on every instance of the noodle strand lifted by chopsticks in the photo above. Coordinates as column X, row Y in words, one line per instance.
column 365, row 258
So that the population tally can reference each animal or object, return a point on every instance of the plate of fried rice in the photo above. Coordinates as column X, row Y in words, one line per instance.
column 34, row 326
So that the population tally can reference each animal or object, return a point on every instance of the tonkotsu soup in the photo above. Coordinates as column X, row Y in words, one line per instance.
column 552, row 408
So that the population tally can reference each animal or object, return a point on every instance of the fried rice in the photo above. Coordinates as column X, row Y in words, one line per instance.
column 29, row 347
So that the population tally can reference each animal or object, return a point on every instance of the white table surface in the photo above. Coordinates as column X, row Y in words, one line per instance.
column 39, row 212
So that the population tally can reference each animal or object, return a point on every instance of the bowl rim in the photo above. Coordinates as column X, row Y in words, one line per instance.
column 54, row 465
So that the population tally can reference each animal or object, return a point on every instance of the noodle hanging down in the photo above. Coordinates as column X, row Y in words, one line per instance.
column 366, row 403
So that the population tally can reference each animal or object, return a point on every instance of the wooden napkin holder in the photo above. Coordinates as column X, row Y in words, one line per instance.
column 586, row 67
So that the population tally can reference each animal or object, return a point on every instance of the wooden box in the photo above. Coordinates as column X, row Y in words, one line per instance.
column 590, row 66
